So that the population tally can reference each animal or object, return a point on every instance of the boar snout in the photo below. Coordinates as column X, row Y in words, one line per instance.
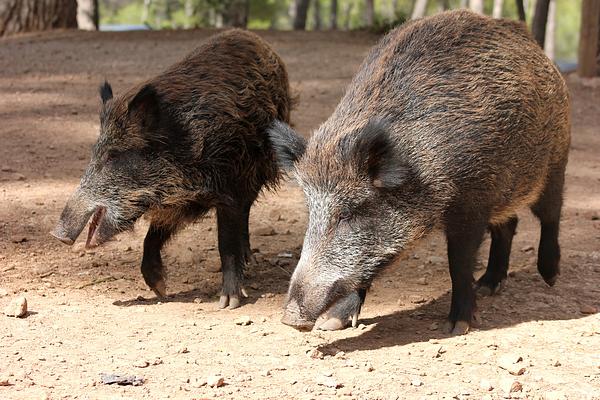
column 72, row 220
column 293, row 318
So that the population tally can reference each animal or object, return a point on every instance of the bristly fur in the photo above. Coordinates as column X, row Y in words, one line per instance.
column 106, row 92
column 477, row 126
column 189, row 139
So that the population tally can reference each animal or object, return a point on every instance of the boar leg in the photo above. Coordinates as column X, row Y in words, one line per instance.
column 230, row 222
column 495, row 275
column 547, row 209
column 248, row 255
column 343, row 313
column 464, row 239
column 152, row 266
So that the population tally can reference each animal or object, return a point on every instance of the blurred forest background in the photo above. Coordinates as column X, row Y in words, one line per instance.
column 376, row 15
column 568, row 30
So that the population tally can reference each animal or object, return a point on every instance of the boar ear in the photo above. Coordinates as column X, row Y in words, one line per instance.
column 106, row 92
column 286, row 143
column 374, row 150
column 144, row 105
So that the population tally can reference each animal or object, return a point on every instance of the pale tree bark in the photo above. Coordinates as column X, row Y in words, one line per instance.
column 370, row 12
column 419, row 9
column 188, row 10
column 347, row 13
column 550, row 30
column 300, row 13
column 333, row 15
column 540, row 18
column 317, row 14
column 88, row 17
column 476, row 5
column 589, row 39
column 443, row 5
column 464, row 3
column 36, row 15
column 497, row 10
column 146, row 11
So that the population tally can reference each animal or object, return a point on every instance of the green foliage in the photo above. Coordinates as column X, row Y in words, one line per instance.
column 275, row 14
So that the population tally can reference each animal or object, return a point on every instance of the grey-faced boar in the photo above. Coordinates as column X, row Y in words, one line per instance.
column 188, row 140
column 454, row 121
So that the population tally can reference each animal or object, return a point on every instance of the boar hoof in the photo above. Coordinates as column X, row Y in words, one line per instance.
column 550, row 281
column 332, row 324
column 230, row 301
column 160, row 289
column 485, row 290
column 457, row 328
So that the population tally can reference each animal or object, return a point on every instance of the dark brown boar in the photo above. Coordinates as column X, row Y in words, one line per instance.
column 454, row 121
column 175, row 146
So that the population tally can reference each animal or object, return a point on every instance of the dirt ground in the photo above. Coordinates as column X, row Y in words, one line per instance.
column 91, row 313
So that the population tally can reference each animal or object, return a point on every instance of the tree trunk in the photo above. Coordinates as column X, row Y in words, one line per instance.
column 146, row 11
column 347, row 14
column 317, row 14
column 464, row 3
column 87, row 15
column 370, row 12
column 333, row 15
column 419, row 9
column 36, row 15
column 476, row 5
column 589, row 38
column 540, row 18
column 300, row 12
column 188, row 10
column 235, row 13
column 521, row 10
column 550, row 30
column 497, row 11
column 444, row 5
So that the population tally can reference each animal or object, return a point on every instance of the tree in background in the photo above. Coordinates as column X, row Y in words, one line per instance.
column 476, row 5
column 300, row 13
column 419, row 9
column 369, row 13
column 36, row 15
column 497, row 10
column 589, row 44
column 333, row 15
column 521, row 10
column 540, row 19
column 88, row 17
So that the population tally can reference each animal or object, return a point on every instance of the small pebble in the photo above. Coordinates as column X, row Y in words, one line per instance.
column 509, row 385
column 17, row 308
column 587, row 309
column 244, row 320
column 141, row 364
column 484, row 384
column 3, row 292
column 416, row 382
column 511, row 363
column 215, row 381
column 422, row 281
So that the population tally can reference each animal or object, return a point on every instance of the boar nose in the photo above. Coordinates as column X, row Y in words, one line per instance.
column 73, row 219
column 292, row 317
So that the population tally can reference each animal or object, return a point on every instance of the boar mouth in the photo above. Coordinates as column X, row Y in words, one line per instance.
column 93, row 239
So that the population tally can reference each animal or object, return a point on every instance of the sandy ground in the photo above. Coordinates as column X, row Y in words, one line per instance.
column 91, row 313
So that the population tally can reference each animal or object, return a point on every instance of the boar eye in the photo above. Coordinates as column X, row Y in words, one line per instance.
column 112, row 156
column 345, row 215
